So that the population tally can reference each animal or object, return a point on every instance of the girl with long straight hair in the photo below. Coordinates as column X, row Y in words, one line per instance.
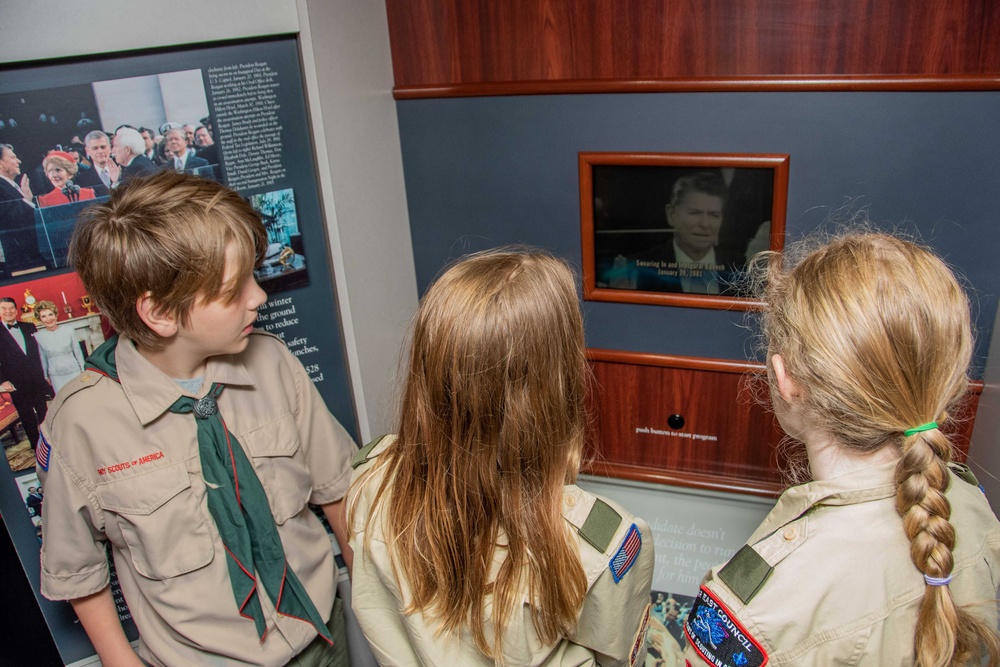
column 890, row 555
column 473, row 545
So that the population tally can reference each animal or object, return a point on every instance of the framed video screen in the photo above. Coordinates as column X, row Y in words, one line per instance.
column 678, row 228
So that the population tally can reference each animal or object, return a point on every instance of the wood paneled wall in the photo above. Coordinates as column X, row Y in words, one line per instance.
column 472, row 47
column 726, row 440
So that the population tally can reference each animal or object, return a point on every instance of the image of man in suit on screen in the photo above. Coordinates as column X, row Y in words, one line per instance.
column 183, row 159
column 104, row 173
column 21, row 373
column 693, row 261
column 18, row 237
column 128, row 150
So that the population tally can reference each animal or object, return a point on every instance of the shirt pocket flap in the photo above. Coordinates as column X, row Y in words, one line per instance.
column 275, row 438
column 145, row 493
column 163, row 525
column 277, row 456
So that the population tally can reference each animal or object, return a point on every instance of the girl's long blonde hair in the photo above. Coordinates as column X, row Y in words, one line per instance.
column 490, row 429
column 876, row 331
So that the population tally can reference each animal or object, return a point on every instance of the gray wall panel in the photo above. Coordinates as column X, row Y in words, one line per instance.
column 487, row 171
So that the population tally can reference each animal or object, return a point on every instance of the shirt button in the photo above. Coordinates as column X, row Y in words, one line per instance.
column 569, row 500
column 85, row 377
column 790, row 533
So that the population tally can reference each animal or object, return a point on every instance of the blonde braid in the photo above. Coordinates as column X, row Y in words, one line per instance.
column 945, row 634
column 921, row 480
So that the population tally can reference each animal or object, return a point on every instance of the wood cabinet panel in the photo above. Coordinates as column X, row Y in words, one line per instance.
column 728, row 440
column 458, row 47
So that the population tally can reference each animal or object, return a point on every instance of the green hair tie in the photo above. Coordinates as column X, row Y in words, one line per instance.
column 917, row 429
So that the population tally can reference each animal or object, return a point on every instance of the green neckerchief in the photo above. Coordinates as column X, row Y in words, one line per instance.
column 238, row 504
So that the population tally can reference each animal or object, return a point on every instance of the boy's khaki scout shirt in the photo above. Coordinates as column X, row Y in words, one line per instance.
column 612, row 623
column 843, row 590
column 124, row 470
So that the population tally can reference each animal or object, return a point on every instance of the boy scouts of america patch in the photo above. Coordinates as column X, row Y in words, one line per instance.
column 625, row 557
column 716, row 635
column 42, row 451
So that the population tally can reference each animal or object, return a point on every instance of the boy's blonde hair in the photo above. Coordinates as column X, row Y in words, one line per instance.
column 491, row 427
column 876, row 332
column 165, row 235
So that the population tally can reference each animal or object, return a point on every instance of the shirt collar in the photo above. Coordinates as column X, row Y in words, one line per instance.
column 151, row 392
column 860, row 486
column 682, row 257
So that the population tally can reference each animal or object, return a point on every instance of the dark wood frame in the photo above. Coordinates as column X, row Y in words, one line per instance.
column 587, row 161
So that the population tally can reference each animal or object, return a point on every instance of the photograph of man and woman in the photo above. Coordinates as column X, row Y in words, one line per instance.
column 47, row 333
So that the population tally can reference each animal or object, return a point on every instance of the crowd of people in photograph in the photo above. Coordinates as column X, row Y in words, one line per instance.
column 89, row 167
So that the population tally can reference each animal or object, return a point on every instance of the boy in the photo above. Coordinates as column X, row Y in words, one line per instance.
column 192, row 444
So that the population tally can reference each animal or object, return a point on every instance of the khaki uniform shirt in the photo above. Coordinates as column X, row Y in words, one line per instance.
column 843, row 590
column 611, row 626
column 124, row 470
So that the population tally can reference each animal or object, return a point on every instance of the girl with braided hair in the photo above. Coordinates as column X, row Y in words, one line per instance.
column 888, row 556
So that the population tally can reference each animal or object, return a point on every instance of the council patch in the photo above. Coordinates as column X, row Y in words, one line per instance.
column 718, row 637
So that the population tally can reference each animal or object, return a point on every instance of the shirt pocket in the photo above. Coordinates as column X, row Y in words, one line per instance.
column 280, row 465
column 161, row 521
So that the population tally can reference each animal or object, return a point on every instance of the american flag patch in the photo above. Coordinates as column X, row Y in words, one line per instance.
column 42, row 452
column 625, row 557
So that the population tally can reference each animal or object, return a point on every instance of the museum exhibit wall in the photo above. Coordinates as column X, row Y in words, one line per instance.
column 886, row 115
column 884, row 112
column 346, row 79
column 483, row 171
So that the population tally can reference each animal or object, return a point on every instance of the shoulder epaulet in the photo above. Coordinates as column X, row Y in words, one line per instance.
column 365, row 452
column 88, row 378
column 85, row 380
column 963, row 472
column 745, row 572
column 601, row 525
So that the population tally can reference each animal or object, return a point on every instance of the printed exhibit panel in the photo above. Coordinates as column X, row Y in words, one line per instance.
column 233, row 113
column 693, row 531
